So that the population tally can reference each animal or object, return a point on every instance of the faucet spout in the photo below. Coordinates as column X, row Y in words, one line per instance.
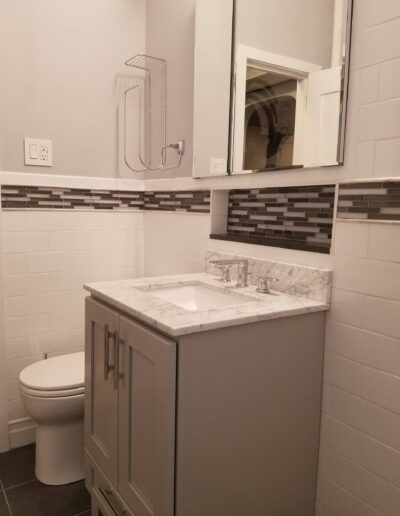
column 243, row 269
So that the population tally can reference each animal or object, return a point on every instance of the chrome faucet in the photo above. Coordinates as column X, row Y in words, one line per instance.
column 243, row 269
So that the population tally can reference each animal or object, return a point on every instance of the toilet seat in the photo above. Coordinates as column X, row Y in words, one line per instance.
column 51, row 394
column 55, row 377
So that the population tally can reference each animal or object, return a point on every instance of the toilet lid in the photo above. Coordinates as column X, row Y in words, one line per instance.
column 57, row 373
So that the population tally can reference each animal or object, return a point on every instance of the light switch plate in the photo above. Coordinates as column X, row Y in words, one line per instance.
column 218, row 166
column 38, row 152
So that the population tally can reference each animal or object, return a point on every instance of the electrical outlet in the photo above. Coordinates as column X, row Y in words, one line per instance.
column 38, row 152
column 44, row 152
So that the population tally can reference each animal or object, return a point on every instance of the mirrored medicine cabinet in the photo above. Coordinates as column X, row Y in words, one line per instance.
column 270, row 88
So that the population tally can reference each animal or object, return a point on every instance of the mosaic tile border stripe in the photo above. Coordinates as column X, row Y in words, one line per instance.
column 290, row 217
column 190, row 201
column 46, row 197
column 373, row 200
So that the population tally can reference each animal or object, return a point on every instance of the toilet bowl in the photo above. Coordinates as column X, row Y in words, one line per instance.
column 53, row 393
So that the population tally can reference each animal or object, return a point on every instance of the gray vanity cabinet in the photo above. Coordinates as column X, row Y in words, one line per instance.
column 223, row 422
column 129, row 416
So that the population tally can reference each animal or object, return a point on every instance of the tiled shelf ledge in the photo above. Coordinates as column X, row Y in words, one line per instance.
column 271, row 242
column 368, row 221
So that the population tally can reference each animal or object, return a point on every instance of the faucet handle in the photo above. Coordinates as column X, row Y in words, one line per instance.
column 263, row 284
column 225, row 273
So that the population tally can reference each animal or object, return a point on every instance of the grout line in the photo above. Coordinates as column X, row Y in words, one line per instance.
column 348, row 491
column 5, row 497
column 365, row 330
column 359, row 398
column 367, row 366
column 19, row 485
column 360, row 466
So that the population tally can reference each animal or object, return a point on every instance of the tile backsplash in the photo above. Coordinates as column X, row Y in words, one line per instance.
column 298, row 280
column 290, row 217
column 373, row 200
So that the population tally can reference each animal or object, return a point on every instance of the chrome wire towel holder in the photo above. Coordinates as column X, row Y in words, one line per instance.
column 150, row 65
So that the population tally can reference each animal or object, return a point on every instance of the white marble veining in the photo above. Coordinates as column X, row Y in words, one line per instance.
column 298, row 280
column 134, row 298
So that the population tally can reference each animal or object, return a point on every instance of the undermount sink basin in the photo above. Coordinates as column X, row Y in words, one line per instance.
column 198, row 297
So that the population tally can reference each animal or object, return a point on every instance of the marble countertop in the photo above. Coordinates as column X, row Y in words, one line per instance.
column 134, row 298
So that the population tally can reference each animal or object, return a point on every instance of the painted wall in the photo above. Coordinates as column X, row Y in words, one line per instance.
column 59, row 63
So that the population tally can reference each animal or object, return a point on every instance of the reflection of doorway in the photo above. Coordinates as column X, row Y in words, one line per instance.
column 270, row 117
column 282, row 74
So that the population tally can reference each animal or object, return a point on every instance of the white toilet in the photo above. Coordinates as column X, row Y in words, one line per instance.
column 52, row 391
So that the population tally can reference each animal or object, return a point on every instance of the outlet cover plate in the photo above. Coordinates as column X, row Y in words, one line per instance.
column 38, row 152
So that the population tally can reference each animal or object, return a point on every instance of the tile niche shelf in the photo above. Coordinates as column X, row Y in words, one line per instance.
column 295, row 217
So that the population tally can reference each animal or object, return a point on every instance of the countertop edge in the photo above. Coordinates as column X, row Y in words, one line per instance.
column 201, row 327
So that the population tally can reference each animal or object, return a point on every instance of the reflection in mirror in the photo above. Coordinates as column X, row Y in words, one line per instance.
column 270, row 116
column 212, row 86
column 290, row 61
column 270, row 86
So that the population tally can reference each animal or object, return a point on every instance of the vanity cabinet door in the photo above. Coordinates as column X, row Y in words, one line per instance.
column 147, row 420
column 101, row 393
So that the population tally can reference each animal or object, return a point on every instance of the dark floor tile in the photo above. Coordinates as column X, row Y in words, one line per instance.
column 3, row 506
column 36, row 499
column 17, row 466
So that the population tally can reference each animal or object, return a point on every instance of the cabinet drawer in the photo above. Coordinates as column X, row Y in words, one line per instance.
column 105, row 499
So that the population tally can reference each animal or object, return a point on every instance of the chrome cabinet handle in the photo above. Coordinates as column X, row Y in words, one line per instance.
column 117, row 373
column 107, row 366
column 109, row 497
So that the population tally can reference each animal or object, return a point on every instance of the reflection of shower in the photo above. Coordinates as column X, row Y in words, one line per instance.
column 148, row 117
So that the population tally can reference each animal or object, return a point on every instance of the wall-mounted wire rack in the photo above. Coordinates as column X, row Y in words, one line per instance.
column 154, row 68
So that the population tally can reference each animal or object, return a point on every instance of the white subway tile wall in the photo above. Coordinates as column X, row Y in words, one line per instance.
column 359, row 470
column 175, row 243
column 48, row 255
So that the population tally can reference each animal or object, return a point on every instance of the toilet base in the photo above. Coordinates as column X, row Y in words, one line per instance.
column 59, row 452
